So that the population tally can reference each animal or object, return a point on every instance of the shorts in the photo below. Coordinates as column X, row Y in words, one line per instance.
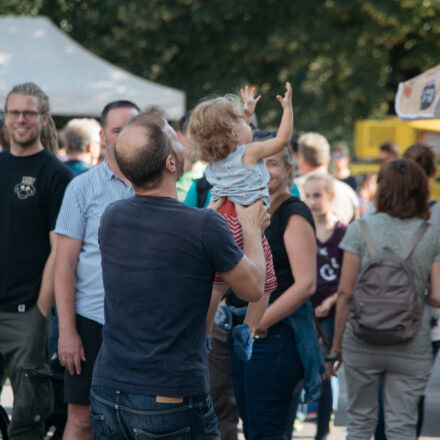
column 227, row 211
column 77, row 387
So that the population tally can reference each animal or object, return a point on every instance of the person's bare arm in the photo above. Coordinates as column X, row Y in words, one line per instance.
column 218, row 292
column 70, row 347
column 46, row 293
column 349, row 273
column 324, row 308
column 255, row 312
column 247, row 278
column 434, row 293
column 299, row 240
column 259, row 150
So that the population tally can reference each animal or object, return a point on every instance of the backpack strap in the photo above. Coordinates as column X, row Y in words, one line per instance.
column 368, row 239
column 278, row 202
column 412, row 244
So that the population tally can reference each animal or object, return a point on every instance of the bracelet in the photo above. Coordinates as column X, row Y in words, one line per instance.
column 336, row 350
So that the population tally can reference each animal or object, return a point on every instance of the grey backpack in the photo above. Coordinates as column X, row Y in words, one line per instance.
column 386, row 306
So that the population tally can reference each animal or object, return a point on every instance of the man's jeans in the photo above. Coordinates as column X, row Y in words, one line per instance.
column 119, row 415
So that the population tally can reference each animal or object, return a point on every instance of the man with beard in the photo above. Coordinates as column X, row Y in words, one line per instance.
column 32, row 184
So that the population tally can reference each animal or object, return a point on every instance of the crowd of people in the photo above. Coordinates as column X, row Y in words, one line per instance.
column 181, row 280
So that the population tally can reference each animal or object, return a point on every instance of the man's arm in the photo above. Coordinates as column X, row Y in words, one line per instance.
column 70, row 347
column 46, row 294
column 247, row 278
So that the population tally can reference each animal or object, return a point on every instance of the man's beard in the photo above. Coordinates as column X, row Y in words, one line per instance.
column 27, row 143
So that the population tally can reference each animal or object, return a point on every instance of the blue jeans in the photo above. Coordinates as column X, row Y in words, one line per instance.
column 126, row 416
column 325, row 401
column 263, row 386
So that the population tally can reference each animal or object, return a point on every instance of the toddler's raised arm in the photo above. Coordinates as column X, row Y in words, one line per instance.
column 259, row 150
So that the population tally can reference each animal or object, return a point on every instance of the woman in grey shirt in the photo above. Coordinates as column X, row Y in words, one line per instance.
column 403, row 368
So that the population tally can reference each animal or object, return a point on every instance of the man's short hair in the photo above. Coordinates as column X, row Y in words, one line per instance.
column 143, row 167
column 113, row 105
column 80, row 133
column 390, row 147
column 314, row 148
column 183, row 123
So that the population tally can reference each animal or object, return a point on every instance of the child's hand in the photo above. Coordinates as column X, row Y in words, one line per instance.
column 249, row 101
column 286, row 101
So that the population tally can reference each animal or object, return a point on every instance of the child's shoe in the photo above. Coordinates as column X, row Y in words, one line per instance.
column 243, row 342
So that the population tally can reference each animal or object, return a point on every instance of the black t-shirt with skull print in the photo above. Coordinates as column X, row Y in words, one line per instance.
column 31, row 191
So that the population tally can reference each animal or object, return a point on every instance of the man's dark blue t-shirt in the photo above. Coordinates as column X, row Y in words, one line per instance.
column 159, row 258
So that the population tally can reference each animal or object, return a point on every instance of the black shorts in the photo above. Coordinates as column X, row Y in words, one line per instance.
column 77, row 387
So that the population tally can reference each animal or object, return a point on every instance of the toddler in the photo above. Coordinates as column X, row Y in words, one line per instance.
column 221, row 135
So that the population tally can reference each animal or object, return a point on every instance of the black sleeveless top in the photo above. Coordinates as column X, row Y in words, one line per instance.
column 274, row 234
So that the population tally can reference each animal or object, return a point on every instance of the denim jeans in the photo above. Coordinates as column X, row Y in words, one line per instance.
column 325, row 401
column 126, row 416
column 263, row 386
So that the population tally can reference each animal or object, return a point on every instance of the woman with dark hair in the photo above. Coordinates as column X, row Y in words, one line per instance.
column 403, row 368
column 286, row 347
column 425, row 157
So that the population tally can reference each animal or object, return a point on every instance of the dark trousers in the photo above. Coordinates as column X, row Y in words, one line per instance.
column 263, row 386
column 23, row 342
column 325, row 401
column 120, row 415
column 221, row 390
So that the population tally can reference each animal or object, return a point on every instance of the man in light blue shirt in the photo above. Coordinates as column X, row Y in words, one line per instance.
column 79, row 289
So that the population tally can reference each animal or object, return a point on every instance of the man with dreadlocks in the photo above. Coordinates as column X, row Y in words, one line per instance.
column 32, row 183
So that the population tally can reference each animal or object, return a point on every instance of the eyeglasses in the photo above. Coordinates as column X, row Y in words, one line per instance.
column 28, row 115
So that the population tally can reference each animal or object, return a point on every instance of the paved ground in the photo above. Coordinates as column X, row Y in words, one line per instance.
column 431, row 428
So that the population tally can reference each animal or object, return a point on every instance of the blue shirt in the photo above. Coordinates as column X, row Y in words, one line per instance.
column 159, row 258
column 85, row 200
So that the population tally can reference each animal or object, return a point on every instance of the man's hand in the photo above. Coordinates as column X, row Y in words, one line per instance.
column 71, row 351
column 253, row 216
column 249, row 101
column 215, row 205
column 286, row 101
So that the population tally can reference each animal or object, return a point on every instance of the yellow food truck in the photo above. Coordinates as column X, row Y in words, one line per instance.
column 369, row 134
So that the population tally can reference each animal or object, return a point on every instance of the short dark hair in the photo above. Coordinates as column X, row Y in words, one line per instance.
column 143, row 168
column 402, row 190
column 294, row 141
column 116, row 104
column 423, row 155
column 390, row 147
column 183, row 123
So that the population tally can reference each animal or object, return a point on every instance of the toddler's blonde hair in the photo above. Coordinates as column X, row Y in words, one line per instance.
column 212, row 127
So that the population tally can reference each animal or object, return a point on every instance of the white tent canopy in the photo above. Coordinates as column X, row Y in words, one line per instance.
column 77, row 82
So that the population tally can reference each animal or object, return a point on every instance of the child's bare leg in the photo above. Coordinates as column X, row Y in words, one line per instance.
column 218, row 292
column 255, row 312
column 244, row 334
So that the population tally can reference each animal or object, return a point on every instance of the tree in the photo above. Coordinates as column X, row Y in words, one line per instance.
column 344, row 57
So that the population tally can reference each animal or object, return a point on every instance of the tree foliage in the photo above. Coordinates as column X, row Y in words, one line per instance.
column 343, row 57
